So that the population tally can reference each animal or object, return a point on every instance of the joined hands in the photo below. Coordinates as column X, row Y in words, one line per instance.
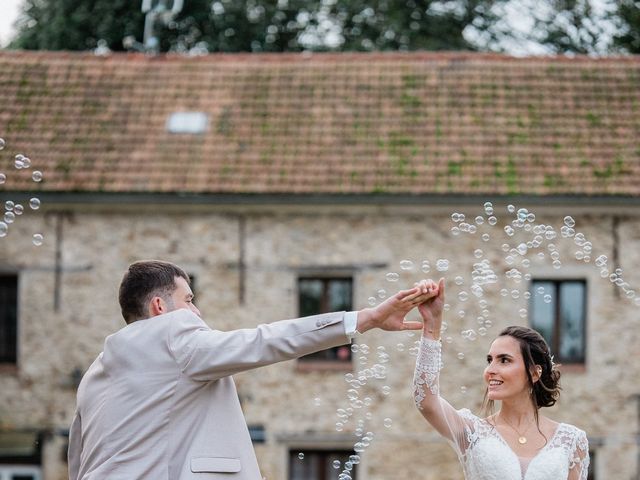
column 389, row 315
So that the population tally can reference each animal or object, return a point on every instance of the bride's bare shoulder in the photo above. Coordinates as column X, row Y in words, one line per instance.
column 547, row 425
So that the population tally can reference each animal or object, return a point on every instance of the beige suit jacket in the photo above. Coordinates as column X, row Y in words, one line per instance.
column 159, row 401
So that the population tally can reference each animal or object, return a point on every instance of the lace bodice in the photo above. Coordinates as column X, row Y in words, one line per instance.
column 489, row 457
column 482, row 451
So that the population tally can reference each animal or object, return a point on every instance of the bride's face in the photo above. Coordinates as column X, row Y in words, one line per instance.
column 505, row 374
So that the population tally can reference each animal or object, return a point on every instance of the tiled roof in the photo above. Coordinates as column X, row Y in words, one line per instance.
column 397, row 123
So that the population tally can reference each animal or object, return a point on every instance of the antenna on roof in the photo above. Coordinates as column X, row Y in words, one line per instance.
column 156, row 11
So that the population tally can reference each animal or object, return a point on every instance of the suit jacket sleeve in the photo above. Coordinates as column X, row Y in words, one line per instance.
column 75, row 447
column 205, row 354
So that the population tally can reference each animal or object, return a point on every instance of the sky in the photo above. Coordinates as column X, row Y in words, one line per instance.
column 8, row 14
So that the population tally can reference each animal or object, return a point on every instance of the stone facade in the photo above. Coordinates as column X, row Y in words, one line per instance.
column 95, row 245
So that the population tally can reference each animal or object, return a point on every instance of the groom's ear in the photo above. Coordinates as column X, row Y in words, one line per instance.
column 157, row 306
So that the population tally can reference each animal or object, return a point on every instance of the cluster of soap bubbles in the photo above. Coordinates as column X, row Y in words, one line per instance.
column 13, row 210
column 523, row 242
column 364, row 389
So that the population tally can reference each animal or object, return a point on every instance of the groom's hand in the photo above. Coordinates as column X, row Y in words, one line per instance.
column 389, row 315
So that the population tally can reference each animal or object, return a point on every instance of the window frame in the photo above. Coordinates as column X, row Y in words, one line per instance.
column 308, row 362
column 324, row 453
column 554, row 345
column 10, row 364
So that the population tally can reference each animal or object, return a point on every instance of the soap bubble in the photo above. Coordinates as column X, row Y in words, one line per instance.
column 459, row 280
column 38, row 239
column 485, row 237
column 479, row 220
column 3, row 178
column 601, row 261
column 9, row 217
column 18, row 209
column 569, row 221
column 4, row 228
column 386, row 390
column 478, row 253
column 406, row 265
column 301, row 456
column 425, row 267
column 387, row 422
column 523, row 312
column 511, row 208
column 18, row 161
column 2, row 143
column 463, row 390
column 336, row 464
column 392, row 277
column 509, row 230
column 8, row 205
column 442, row 264
column 372, row 301
column 26, row 162
column 463, row 296
column 547, row 298
column 36, row 176
column 461, row 355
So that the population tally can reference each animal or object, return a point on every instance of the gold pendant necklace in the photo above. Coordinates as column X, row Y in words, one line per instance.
column 521, row 438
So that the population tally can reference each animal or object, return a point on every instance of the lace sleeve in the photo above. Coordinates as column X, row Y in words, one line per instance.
column 425, row 377
column 579, row 458
column 450, row 423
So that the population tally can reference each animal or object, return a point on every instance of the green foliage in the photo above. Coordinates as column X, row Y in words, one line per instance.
column 77, row 25
column 628, row 15
column 258, row 25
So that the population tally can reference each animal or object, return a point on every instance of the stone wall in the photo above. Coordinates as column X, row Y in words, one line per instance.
column 97, row 245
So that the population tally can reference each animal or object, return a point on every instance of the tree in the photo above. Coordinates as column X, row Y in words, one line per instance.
column 628, row 16
column 568, row 26
column 259, row 25
column 77, row 25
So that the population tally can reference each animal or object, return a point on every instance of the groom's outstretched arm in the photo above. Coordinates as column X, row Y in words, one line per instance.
column 205, row 354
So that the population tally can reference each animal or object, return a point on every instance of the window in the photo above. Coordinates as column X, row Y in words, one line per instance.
column 319, row 464
column 558, row 312
column 322, row 295
column 187, row 122
column 592, row 465
column 19, row 473
column 8, row 319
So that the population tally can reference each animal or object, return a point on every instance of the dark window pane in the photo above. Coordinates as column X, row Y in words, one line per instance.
column 592, row 465
column 543, row 313
column 8, row 318
column 322, row 295
column 318, row 464
column 310, row 297
column 22, row 476
column 572, row 300
column 339, row 295
column 561, row 321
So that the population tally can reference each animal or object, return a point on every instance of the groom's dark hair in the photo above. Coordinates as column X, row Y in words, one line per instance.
column 144, row 280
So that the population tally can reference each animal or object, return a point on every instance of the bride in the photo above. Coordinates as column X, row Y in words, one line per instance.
column 516, row 442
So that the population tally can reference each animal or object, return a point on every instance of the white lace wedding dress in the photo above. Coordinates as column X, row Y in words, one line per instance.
column 482, row 451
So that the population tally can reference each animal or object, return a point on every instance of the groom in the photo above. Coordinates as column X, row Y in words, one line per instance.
column 159, row 402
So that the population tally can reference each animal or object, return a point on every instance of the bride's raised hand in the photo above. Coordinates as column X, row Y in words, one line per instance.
column 431, row 310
